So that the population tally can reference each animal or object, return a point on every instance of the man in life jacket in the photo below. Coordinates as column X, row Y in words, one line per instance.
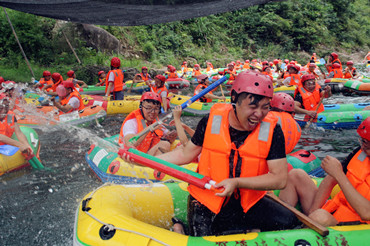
column 230, row 70
column 196, row 71
column 172, row 73
column 282, row 108
column 45, row 80
column 69, row 98
column 245, row 154
column 333, row 58
column 143, row 76
column 8, row 126
column 352, row 203
column 160, row 88
column 311, row 70
column 101, row 77
column 350, row 71
column 184, row 68
column 153, row 142
column 246, row 65
column 292, row 77
column 72, row 77
column 336, row 71
column 204, row 83
column 307, row 97
column 114, row 81
column 52, row 89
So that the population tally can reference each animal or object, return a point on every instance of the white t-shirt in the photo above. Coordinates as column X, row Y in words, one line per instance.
column 74, row 102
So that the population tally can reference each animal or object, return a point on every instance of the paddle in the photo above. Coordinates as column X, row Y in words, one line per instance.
column 318, row 106
column 35, row 163
column 171, row 169
column 323, row 231
column 205, row 182
column 184, row 105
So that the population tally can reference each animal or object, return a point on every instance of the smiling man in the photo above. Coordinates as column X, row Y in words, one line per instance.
column 244, row 152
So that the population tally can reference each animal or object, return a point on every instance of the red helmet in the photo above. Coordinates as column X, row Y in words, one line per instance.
column 237, row 61
column 70, row 73
column 247, row 61
column 314, row 54
column 271, row 63
column 100, row 72
column 350, row 63
column 292, row 62
column 230, row 64
column 286, row 61
column 364, row 129
column 150, row 96
column 282, row 101
column 334, row 55
column 172, row 69
column 336, row 65
column 297, row 68
column 160, row 77
column 312, row 64
column 144, row 68
column 202, row 77
column 115, row 62
column 265, row 67
column 276, row 61
column 265, row 63
column 253, row 82
column 183, row 63
column 61, row 90
column 196, row 65
column 1, row 80
column 307, row 77
column 68, row 84
column 46, row 73
column 55, row 76
column 254, row 60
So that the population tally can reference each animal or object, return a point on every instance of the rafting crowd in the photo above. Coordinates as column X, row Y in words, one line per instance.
column 242, row 145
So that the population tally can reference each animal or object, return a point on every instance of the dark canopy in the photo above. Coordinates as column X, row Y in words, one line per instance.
column 127, row 12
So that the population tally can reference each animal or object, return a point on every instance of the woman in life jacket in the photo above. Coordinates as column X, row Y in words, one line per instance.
column 352, row 204
column 69, row 98
column 154, row 142
column 203, row 81
column 307, row 97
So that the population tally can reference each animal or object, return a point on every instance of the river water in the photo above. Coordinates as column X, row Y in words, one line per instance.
column 38, row 207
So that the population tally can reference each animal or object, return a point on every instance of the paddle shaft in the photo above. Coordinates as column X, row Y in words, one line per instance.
column 323, row 231
column 184, row 105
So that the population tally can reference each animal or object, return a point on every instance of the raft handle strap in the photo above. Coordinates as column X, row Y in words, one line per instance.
column 84, row 204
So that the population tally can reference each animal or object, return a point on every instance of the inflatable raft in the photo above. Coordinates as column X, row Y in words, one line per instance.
column 177, row 83
column 11, row 158
column 109, row 167
column 286, row 89
column 141, row 215
column 339, row 116
column 49, row 115
column 349, row 87
column 126, row 106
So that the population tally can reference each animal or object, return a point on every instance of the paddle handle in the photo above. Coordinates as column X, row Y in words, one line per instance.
column 323, row 231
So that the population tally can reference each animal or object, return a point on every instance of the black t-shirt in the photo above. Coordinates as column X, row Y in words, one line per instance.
column 277, row 150
column 346, row 161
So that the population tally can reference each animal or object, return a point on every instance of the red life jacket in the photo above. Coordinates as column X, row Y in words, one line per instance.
column 358, row 175
column 214, row 161
column 151, row 139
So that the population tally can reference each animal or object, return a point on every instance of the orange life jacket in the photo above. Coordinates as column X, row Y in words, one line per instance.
column 151, row 139
column 65, row 101
column 246, row 66
column 314, row 73
column 44, row 82
column 144, row 77
column 184, row 68
column 118, row 80
column 216, row 150
column 55, row 85
column 7, row 125
column 196, row 72
column 268, row 74
column 358, row 175
column 101, row 80
column 295, row 79
column 238, row 67
column 172, row 75
column 202, row 99
column 290, row 127
column 311, row 100
column 330, row 68
column 209, row 68
column 159, row 91
column 349, row 74
column 338, row 73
